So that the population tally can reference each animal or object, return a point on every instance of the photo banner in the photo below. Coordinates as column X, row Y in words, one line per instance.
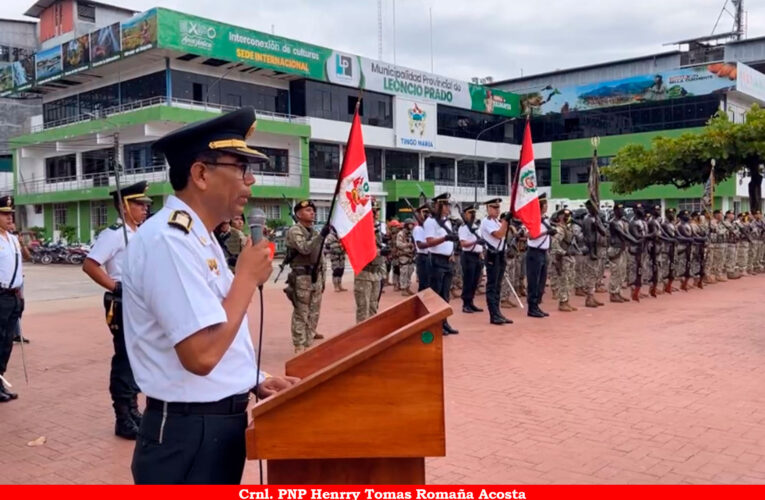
column 105, row 45
column 674, row 84
column 76, row 55
column 139, row 33
column 48, row 64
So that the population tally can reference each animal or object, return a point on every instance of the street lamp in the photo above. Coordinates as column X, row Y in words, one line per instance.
column 475, row 153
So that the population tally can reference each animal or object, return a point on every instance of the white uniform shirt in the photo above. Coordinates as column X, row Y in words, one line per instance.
column 10, row 254
column 489, row 226
column 109, row 250
column 541, row 242
column 419, row 235
column 174, row 284
column 433, row 230
column 465, row 235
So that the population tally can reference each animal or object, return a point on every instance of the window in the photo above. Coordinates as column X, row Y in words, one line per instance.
column 145, row 87
column 203, row 88
column 278, row 161
column 577, row 171
column 323, row 160
column 59, row 215
column 439, row 170
column 98, row 214
column 374, row 164
column 336, row 102
column 498, row 182
column 271, row 210
column 543, row 171
column 197, row 92
column 60, row 168
column 401, row 165
column 5, row 53
column 322, row 213
column 690, row 204
column 86, row 12
column 141, row 157
column 457, row 122
column 97, row 164
column 470, row 173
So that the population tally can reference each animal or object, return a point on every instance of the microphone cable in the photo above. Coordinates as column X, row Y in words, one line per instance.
column 260, row 350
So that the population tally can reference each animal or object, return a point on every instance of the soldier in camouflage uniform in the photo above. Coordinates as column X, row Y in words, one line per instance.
column 742, row 248
column 595, row 234
column 710, row 278
column 581, row 257
column 511, row 269
column 366, row 284
column 760, row 254
column 718, row 235
column 305, row 294
column 617, row 253
column 731, row 243
column 563, row 252
column 336, row 252
column 754, row 246
column 394, row 227
column 456, row 261
column 685, row 244
column 405, row 251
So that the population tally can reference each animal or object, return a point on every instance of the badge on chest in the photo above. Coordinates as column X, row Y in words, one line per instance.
column 213, row 265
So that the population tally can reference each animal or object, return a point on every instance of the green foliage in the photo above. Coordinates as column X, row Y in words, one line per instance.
column 68, row 233
column 38, row 231
column 686, row 160
column 274, row 223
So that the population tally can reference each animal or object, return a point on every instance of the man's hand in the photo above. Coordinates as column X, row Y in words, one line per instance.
column 325, row 230
column 272, row 385
column 552, row 231
column 254, row 262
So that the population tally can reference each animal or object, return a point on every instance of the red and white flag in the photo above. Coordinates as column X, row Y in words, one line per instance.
column 352, row 215
column 524, row 201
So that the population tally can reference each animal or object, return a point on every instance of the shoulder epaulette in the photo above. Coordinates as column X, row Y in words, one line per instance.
column 180, row 219
column 116, row 226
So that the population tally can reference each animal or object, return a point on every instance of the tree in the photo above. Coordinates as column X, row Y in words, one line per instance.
column 685, row 160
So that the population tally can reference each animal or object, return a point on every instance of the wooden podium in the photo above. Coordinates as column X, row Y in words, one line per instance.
column 369, row 407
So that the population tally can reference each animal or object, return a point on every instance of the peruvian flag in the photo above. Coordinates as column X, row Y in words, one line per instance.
column 524, row 202
column 352, row 215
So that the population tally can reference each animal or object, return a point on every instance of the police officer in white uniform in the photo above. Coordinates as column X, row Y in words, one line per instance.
column 423, row 254
column 441, row 240
column 186, row 327
column 109, row 251
column 493, row 231
column 470, row 260
column 11, row 279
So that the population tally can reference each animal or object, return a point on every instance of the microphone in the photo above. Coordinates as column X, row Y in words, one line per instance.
column 257, row 221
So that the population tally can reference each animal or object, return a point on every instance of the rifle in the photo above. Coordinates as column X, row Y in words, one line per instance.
column 702, row 247
column 469, row 225
column 289, row 256
column 638, row 271
column 416, row 215
column 671, row 271
column 688, row 249
column 451, row 236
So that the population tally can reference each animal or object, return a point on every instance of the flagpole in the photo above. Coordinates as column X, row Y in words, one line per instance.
column 712, row 185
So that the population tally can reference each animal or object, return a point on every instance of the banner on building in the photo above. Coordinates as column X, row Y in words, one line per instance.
column 76, row 54
column 48, row 64
column 6, row 79
column 750, row 82
column 685, row 82
column 105, row 45
column 415, row 124
column 139, row 33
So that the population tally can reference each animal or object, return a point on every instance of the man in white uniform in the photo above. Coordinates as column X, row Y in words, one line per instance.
column 441, row 240
column 109, row 251
column 11, row 279
column 186, row 327
column 423, row 255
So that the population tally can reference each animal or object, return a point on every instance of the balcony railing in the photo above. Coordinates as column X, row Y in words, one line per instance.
column 159, row 101
column 153, row 174
column 498, row 190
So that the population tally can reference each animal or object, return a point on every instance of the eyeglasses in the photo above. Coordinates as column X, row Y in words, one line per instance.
column 247, row 167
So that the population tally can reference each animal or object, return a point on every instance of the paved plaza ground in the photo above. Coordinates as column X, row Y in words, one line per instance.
column 670, row 390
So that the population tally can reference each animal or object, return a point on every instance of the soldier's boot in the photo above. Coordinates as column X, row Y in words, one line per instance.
column 734, row 276
column 336, row 284
column 507, row 304
column 135, row 413
column 601, row 289
column 590, row 301
column 396, row 286
column 566, row 307
column 318, row 336
column 636, row 294
column 554, row 294
column 668, row 287
column 597, row 302
column 684, row 285
column 340, row 287
column 652, row 291
column 407, row 292
column 124, row 426
column 721, row 278
column 522, row 291
column 699, row 283
column 617, row 298
column 299, row 349
column 580, row 293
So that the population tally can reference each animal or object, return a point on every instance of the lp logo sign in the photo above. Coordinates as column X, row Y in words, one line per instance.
column 344, row 66
column 196, row 29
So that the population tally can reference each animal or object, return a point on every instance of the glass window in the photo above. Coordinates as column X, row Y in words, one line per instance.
column 59, row 215
column 97, row 164
column 401, row 165
column 374, row 164
column 323, row 160
column 86, row 12
column 457, row 122
column 278, row 161
column 498, row 182
column 145, row 87
column 204, row 88
column 577, row 170
column 543, row 170
column 439, row 170
column 336, row 102
column 141, row 157
column 60, row 168
column 271, row 210
column 98, row 214
column 470, row 173
column 690, row 204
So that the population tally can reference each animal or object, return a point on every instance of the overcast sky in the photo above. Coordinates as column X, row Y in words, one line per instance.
column 501, row 38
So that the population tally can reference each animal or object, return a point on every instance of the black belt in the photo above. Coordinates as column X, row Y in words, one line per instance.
column 538, row 249
column 471, row 254
column 440, row 256
column 9, row 291
column 231, row 405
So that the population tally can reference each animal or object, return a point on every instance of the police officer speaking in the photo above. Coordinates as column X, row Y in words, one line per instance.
column 186, row 328
column 109, row 251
